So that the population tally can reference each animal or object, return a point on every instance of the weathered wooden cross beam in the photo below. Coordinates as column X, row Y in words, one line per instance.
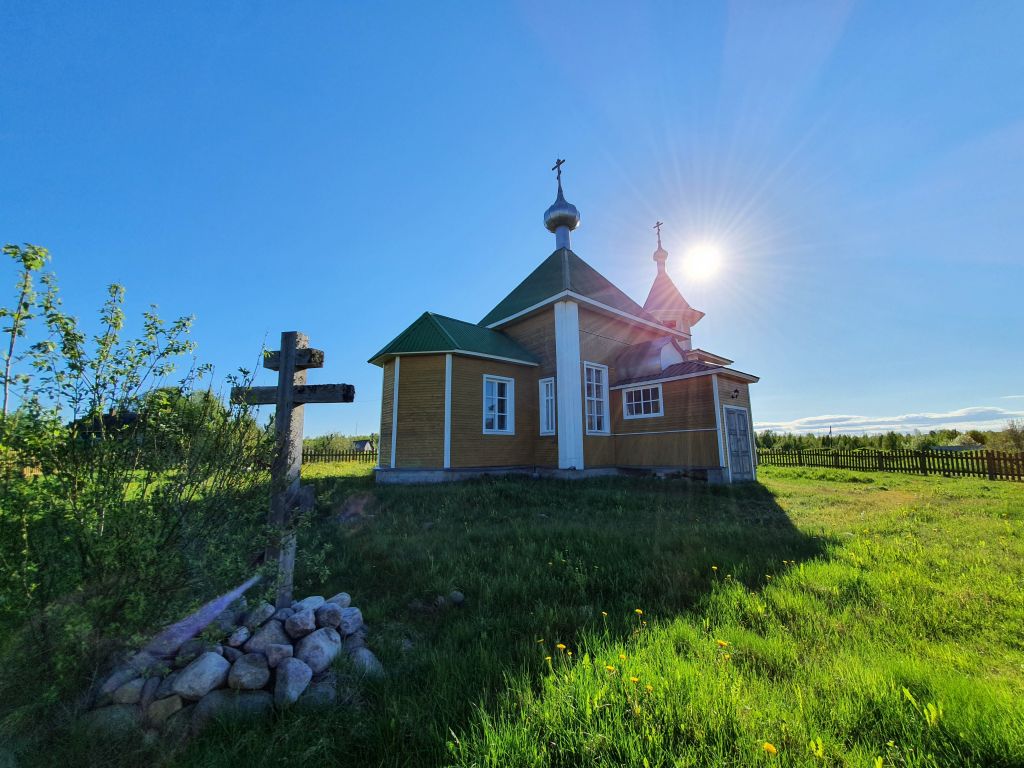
column 288, row 495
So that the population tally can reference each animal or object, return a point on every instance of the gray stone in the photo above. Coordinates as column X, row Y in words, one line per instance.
column 259, row 614
column 149, row 691
column 278, row 652
column 176, row 727
column 456, row 598
column 300, row 623
column 249, row 673
column 292, row 676
column 117, row 678
column 232, row 654
column 200, row 677
column 161, row 709
column 319, row 648
column 328, row 615
column 283, row 613
column 271, row 632
column 193, row 649
column 356, row 640
column 351, row 620
column 366, row 663
column 230, row 705
column 167, row 685
column 313, row 602
column 342, row 600
column 239, row 636
column 116, row 720
column 226, row 620
column 321, row 694
column 130, row 692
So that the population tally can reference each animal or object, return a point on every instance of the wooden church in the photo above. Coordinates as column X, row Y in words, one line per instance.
column 567, row 376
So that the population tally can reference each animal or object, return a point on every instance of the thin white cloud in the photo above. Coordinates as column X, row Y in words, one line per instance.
column 977, row 417
column 1012, row 397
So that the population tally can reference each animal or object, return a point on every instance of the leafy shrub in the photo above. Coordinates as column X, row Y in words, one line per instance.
column 126, row 497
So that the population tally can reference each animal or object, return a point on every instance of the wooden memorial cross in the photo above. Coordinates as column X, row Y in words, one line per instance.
column 292, row 392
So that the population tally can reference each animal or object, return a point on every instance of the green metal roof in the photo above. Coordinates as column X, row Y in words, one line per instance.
column 437, row 333
column 563, row 270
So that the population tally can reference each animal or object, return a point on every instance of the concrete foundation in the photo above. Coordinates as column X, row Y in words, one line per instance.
column 388, row 476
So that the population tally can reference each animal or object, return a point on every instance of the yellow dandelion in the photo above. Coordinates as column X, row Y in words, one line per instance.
column 609, row 667
column 622, row 656
column 727, row 656
column 769, row 576
column 649, row 688
column 769, row 748
column 547, row 658
column 722, row 643
column 714, row 567
column 568, row 653
column 560, row 646
column 604, row 613
column 634, row 679
column 638, row 612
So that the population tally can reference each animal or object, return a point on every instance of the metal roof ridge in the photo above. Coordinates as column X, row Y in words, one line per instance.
column 433, row 318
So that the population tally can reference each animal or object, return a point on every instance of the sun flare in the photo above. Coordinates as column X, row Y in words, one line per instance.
column 702, row 261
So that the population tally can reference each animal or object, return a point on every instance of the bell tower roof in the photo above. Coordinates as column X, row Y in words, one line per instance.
column 664, row 299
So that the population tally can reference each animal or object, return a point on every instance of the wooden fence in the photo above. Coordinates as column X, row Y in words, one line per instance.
column 365, row 457
column 994, row 465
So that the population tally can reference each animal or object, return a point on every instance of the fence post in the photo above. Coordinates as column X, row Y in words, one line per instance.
column 990, row 462
column 923, row 457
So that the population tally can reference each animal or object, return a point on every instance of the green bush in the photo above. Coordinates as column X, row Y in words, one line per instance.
column 126, row 496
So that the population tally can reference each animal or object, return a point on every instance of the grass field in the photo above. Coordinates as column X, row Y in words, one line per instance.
column 818, row 618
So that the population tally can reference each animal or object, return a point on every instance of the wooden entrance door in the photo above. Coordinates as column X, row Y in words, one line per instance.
column 737, row 429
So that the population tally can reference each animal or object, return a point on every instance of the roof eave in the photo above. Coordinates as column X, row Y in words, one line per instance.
column 380, row 359
column 593, row 303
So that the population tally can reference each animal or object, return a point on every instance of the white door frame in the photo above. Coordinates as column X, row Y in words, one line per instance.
column 750, row 438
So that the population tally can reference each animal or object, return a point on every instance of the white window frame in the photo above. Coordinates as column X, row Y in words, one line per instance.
column 551, row 428
column 510, row 399
column 587, row 399
column 656, row 414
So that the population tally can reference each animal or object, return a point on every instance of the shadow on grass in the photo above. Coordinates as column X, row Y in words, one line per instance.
column 540, row 563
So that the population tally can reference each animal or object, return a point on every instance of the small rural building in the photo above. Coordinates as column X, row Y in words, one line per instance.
column 362, row 446
column 566, row 376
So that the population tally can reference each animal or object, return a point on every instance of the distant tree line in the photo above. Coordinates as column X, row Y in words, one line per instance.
column 1011, row 438
column 337, row 442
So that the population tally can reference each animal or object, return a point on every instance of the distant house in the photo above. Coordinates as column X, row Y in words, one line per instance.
column 567, row 376
column 363, row 446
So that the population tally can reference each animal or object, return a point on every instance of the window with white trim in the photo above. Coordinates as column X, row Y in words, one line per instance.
column 642, row 402
column 499, row 405
column 596, row 388
column 547, row 406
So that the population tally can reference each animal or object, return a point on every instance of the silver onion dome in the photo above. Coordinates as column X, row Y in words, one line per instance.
column 561, row 214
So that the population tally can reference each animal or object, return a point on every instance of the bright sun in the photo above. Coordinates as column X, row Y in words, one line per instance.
column 702, row 261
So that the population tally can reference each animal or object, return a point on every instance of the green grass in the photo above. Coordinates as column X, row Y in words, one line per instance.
column 841, row 617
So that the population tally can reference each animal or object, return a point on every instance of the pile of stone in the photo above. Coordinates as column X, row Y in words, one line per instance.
column 266, row 658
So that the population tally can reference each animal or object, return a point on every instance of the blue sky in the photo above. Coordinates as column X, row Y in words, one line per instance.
column 338, row 168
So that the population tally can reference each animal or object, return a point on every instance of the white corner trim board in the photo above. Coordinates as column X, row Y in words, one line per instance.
column 394, row 413
column 569, row 389
column 718, row 423
column 448, row 410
